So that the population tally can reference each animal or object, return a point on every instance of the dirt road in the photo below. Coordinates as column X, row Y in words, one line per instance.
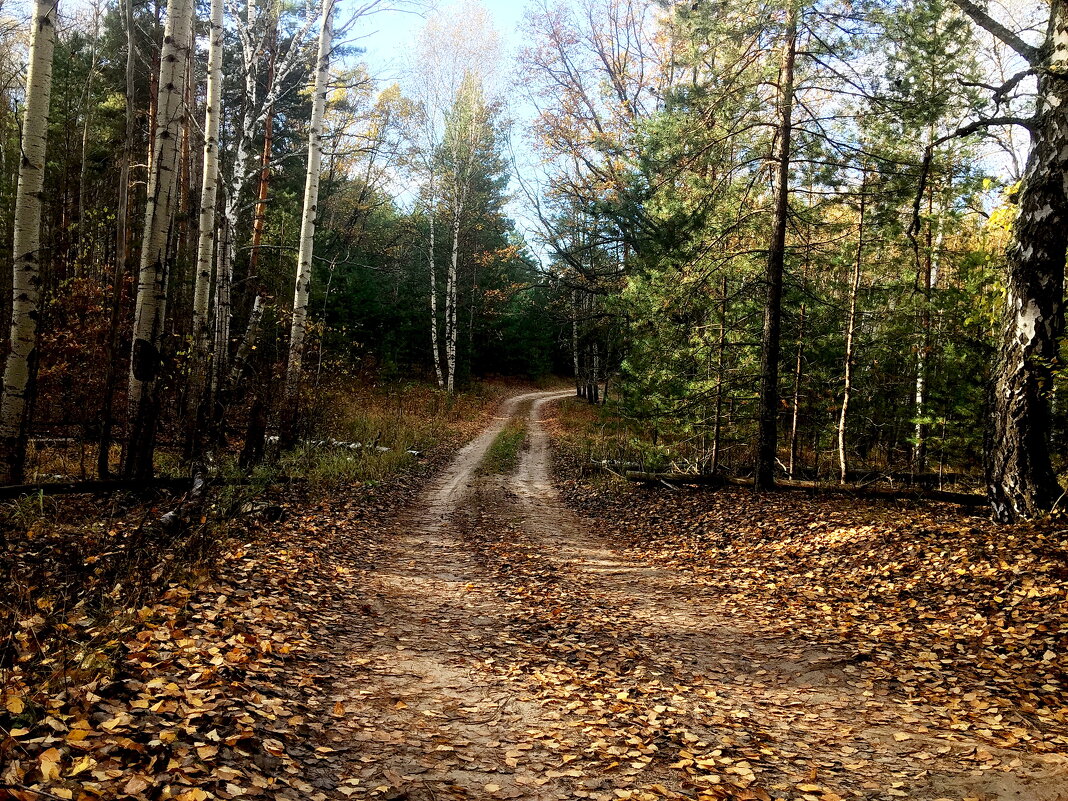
column 505, row 650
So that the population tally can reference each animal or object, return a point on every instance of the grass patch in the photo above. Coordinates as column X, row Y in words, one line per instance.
column 387, row 429
column 503, row 455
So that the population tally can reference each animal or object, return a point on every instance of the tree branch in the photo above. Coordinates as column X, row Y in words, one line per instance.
column 1031, row 54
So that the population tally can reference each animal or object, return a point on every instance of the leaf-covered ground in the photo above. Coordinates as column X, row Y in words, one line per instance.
column 491, row 635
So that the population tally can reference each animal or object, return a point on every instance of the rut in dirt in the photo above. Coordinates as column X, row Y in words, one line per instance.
column 505, row 650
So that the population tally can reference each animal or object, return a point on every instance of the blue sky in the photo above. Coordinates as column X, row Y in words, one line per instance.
column 387, row 35
column 387, row 38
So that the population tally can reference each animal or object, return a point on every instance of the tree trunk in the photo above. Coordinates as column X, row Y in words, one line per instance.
column 717, row 426
column 919, row 449
column 431, row 263
column 771, row 341
column 305, row 255
column 1020, row 476
column 575, row 342
column 150, row 314
column 450, row 303
column 122, row 215
column 796, row 410
column 206, row 242
column 851, row 326
column 19, row 372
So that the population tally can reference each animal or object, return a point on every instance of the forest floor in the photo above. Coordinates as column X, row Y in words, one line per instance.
column 490, row 632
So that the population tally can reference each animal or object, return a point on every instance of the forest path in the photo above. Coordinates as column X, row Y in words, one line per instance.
column 510, row 652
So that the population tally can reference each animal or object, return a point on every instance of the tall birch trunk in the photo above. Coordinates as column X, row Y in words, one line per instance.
column 150, row 314
column 435, row 346
column 16, row 405
column 851, row 327
column 795, row 414
column 307, row 227
column 208, row 192
column 771, row 341
column 575, row 341
column 717, row 426
column 122, row 215
column 1021, row 481
column 450, row 303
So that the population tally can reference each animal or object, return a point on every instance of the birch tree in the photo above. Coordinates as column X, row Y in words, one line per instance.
column 467, row 131
column 1021, row 481
column 850, row 335
column 306, row 250
column 207, row 227
column 16, row 403
column 458, row 47
column 156, row 253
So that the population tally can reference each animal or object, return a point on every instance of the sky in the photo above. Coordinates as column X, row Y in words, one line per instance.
column 387, row 35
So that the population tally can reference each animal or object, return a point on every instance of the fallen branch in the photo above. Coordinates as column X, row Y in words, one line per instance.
column 867, row 491
column 96, row 487
column 334, row 443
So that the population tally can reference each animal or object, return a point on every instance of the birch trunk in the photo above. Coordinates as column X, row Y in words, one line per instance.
column 196, row 402
column 575, row 342
column 19, row 372
column 795, row 414
column 431, row 263
column 1020, row 477
column 771, row 341
column 150, row 314
column 851, row 326
column 717, row 426
column 307, row 228
column 450, row 304
column 208, row 192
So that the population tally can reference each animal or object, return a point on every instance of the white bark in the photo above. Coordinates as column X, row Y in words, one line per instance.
column 311, row 200
column 26, row 287
column 159, row 222
column 575, row 341
column 209, row 188
column 450, row 301
column 253, row 37
column 432, row 263
column 851, row 326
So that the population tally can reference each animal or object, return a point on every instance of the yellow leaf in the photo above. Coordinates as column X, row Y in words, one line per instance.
column 50, row 760
column 82, row 764
column 15, row 705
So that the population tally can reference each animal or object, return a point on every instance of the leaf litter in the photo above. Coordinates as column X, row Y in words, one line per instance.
column 607, row 642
